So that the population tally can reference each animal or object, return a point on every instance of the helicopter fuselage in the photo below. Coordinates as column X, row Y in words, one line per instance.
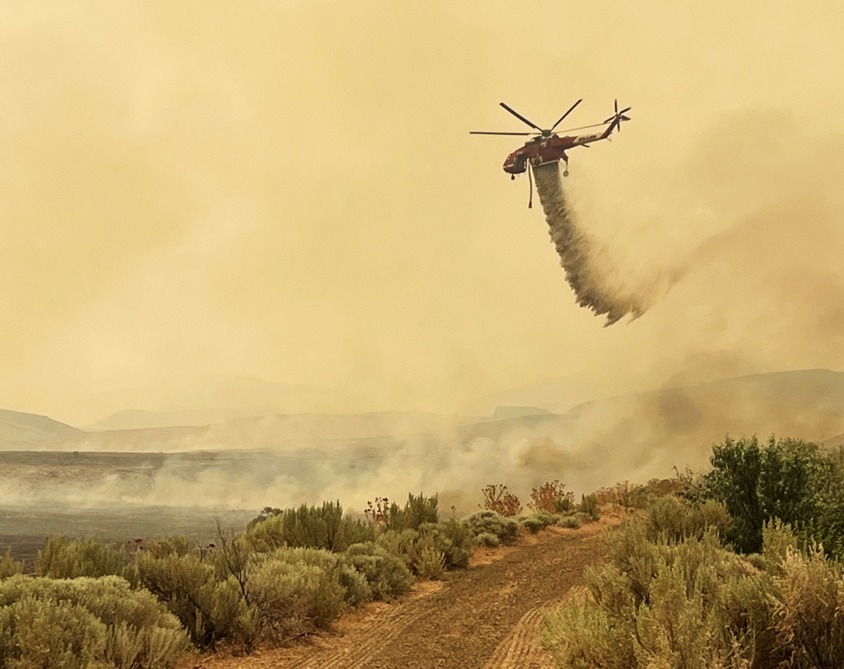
column 541, row 150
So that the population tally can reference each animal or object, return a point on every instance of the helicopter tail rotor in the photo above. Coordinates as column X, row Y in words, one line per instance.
column 619, row 116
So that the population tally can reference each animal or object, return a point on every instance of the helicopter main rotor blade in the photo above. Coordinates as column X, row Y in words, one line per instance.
column 571, row 109
column 483, row 132
column 520, row 117
column 584, row 127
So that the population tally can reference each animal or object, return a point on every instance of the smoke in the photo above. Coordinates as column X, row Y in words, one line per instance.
column 586, row 262
column 246, row 464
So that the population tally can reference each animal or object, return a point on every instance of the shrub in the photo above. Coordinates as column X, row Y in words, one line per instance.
column 47, row 633
column 570, row 522
column 9, row 566
column 624, row 495
column 70, row 558
column 355, row 587
column 430, row 561
column 453, row 538
column 809, row 609
column 488, row 539
column 497, row 498
column 417, row 510
column 589, row 505
column 292, row 598
column 387, row 574
column 209, row 610
column 479, row 522
column 674, row 519
column 786, row 479
column 690, row 603
column 539, row 521
column 551, row 497
column 173, row 545
column 309, row 527
column 102, row 621
column 401, row 543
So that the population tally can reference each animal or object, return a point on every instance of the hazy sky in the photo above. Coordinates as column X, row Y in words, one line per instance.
column 288, row 190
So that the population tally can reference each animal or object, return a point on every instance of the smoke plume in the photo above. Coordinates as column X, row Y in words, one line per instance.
column 582, row 258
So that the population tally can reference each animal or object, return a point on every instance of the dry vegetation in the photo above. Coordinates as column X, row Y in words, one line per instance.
column 738, row 567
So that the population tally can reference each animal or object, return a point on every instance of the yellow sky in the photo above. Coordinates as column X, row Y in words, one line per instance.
column 288, row 190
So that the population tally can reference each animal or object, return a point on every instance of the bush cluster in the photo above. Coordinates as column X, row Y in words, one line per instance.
column 490, row 522
column 310, row 527
column 417, row 510
column 85, row 622
column 241, row 596
column 693, row 603
column 291, row 572
column 70, row 558
column 431, row 548
column 790, row 480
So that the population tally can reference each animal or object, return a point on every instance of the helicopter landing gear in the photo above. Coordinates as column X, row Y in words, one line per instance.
column 512, row 177
column 566, row 170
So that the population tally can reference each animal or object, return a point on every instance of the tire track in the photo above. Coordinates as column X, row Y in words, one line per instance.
column 521, row 648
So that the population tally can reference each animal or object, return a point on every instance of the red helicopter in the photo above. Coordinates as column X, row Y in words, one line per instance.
column 546, row 146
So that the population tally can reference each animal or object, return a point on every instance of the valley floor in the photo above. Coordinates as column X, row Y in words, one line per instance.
column 486, row 617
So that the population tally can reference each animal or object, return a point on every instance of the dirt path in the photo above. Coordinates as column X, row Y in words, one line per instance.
column 486, row 617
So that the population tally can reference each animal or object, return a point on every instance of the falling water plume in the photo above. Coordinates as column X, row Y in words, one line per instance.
column 580, row 256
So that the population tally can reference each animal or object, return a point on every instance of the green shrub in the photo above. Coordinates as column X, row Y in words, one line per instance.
column 103, row 618
column 401, row 543
column 809, row 609
column 689, row 603
column 48, row 633
column 418, row 509
column 292, row 598
column 451, row 540
column 387, row 574
column 70, row 558
column 570, row 522
column 786, row 479
column 9, row 566
column 356, row 590
column 430, row 561
column 488, row 539
column 209, row 610
column 589, row 505
column 675, row 519
column 309, row 527
column 480, row 522
column 539, row 521
column 533, row 524
column 178, row 545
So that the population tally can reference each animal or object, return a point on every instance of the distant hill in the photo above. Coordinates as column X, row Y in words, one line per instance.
column 556, row 395
column 23, row 430
column 214, row 398
column 139, row 419
column 282, row 431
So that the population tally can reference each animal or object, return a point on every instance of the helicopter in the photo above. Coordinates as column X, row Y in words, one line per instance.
column 546, row 146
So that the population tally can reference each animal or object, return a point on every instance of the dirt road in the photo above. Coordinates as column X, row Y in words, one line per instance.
column 486, row 617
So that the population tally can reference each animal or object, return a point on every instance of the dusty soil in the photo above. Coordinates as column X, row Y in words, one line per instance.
column 486, row 617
